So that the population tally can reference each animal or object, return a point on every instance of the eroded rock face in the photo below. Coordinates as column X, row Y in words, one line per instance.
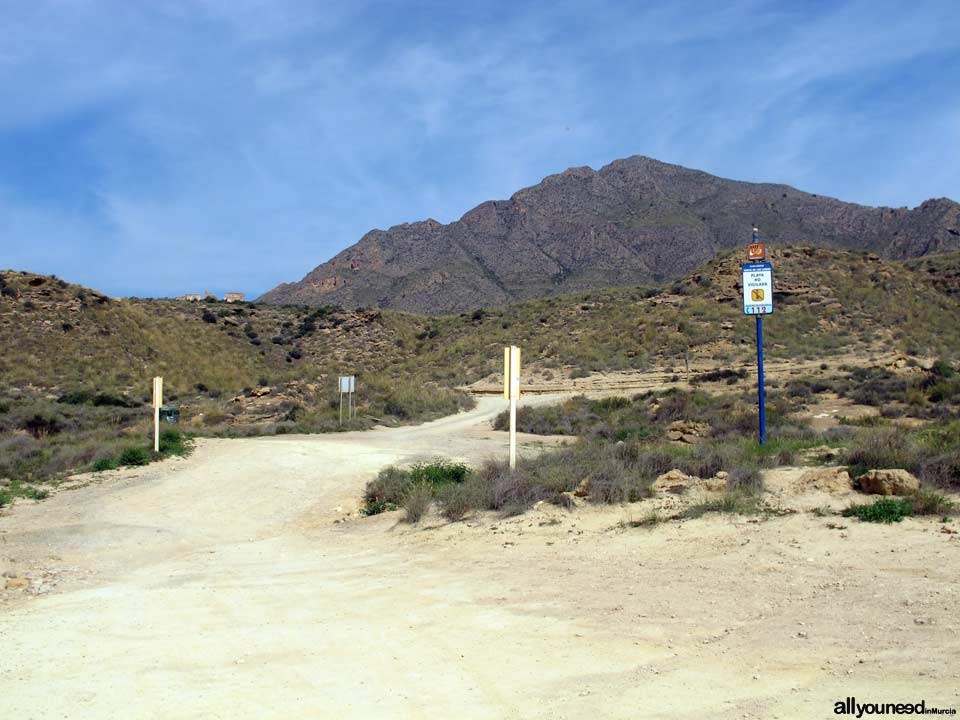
column 889, row 482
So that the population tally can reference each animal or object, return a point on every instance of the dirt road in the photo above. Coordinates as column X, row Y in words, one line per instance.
column 229, row 585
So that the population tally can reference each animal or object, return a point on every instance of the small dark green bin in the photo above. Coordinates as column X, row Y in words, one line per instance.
column 170, row 414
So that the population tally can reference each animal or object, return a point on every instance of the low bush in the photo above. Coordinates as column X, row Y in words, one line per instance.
column 439, row 473
column 394, row 487
column 732, row 502
column 28, row 491
column 746, row 480
column 927, row 502
column 105, row 463
column 174, row 442
column 894, row 509
column 942, row 470
column 881, row 448
column 885, row 510
column 458, row 499
column 417, row 501
column 5, row 497
column 386, row 491
column 134, row 456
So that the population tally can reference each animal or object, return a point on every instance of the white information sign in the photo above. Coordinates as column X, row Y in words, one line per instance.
column 758, row 289
column 347, row 383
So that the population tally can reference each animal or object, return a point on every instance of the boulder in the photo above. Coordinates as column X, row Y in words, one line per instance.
column 687, row 432
column 889, row 482
column 834, row 480
column 674, row 482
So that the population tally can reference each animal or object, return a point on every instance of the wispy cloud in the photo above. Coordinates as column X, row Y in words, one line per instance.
column 155, row 148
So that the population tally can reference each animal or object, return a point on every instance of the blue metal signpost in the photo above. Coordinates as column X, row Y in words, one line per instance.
column 760, row 393
column 758, row 301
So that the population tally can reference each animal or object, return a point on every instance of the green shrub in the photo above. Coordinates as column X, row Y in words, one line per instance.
column 439, row 473
column 28, row 491
column 944, row 369
column 105, row 463
column 5, row 497
column 134, row 456
column 173, row 442
column 609, row 404
column 375, row 507
column 392, row 486
column 885, row 510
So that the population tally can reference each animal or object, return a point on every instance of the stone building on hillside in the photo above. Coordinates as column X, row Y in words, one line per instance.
column 234, row 297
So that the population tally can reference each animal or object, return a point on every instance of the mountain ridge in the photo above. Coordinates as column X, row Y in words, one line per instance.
column 635, row 221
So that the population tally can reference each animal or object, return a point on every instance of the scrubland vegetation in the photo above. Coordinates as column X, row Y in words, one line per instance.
column 75, row 370
column 624, row 444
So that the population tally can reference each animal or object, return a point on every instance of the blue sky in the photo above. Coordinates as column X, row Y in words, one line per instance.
column 154, row 148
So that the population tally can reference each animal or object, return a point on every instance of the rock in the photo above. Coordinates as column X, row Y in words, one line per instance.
column 583, row 489
column 889, row 482
column 261, row 391
column 722, row 475
column 715, row 484
column 826, row 479
column 5, row 482
column 687, row 432
column 17, row 583
column 674, row 482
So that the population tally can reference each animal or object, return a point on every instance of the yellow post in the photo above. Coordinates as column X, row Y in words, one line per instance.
column 511, row 391
column 157, row 402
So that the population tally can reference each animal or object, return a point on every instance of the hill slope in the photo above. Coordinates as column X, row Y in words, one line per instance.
column 75, row 366
column 634, row 221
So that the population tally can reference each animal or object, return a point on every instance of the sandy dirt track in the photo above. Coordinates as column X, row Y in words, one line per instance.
column 229, row 585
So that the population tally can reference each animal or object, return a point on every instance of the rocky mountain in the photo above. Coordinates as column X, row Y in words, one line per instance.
column 635, row 221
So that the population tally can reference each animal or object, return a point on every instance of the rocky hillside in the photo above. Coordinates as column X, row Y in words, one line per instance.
column 829, row 304
column 635, row 221
column 76, row 364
